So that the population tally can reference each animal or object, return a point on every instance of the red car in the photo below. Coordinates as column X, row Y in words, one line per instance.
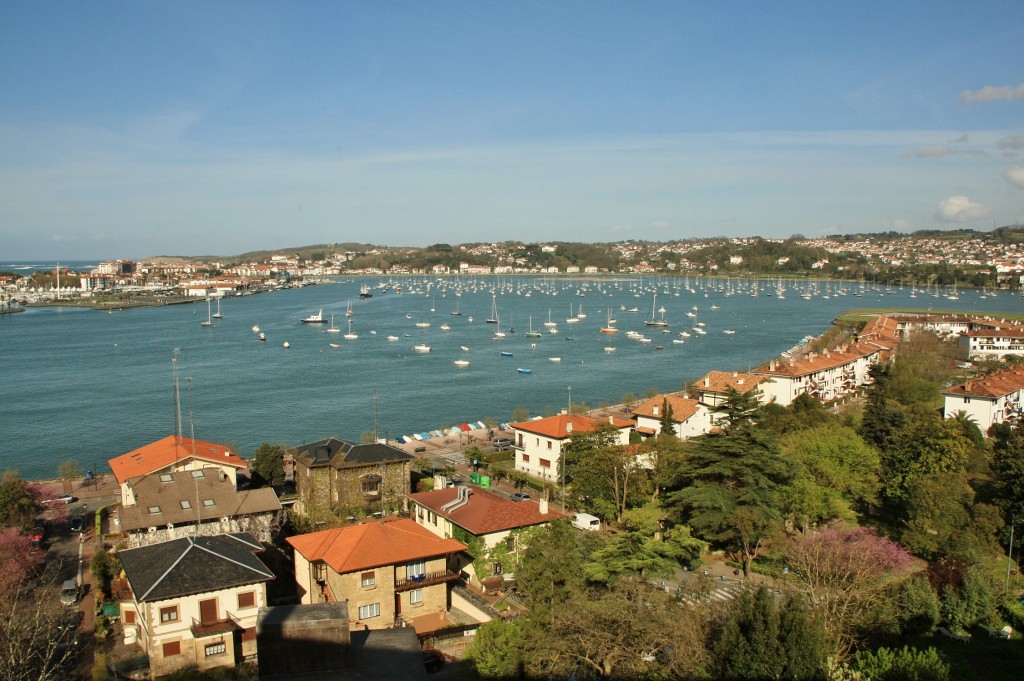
column 36, row 535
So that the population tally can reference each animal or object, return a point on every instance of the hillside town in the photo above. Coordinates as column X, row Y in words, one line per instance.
column 192, row 558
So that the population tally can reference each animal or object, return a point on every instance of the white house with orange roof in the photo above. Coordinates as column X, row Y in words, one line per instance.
column 994, row 398
column 713, row 387
column 690, row 418
column 389, row 572
column 171, row 455
column 538, row 443
column 826, row 376
column 993, row 343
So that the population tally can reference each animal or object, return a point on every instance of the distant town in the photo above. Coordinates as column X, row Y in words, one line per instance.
column 992, row 259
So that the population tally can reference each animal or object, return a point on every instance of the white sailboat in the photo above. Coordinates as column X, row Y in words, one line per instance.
column 350, row 335
column 217, row 314
column 530, row 332
column 493, row 319
column 209, row 317
column 333, row 328
column 653, row 321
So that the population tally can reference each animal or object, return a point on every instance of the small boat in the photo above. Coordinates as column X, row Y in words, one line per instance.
column 209, row 319
column 552, row 330
column 729, row 332
column 531, row 333
column 609, row 349
column 469, row 319
column 678, row 341
column 549, row 323
column 461, row 362
column 498, row 335
column 286, row 345
column 524, row 371
column 493, row 319
column 464, row 348
column 505, row 353
column 554, row 359
column 445, row 327
column 350, row 335
column 262, row 336
column 334, row 329
column 334, row 345
column 570, row 338
column 421, row 347
column 364, row 292
column 659, row 347
column 317, row 318
column 392, row 338
column 217, row 314
column 255, row 328
column 656, row 322
column 423, row 325
column 348, row 311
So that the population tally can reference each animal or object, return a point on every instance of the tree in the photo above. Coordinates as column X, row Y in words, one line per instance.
column 668, row 425
column 36, row 630
column 1008, row 469
column 737, row 410
column 19, row 501
column 762, row 641
column 844, row 575
column 501, row 649
column 551, row 568
column 18, row 559
column 728, row 491
column 268, row 467
column 69, row 470
column 944, row 519
column 635, row 555
column 906, row 664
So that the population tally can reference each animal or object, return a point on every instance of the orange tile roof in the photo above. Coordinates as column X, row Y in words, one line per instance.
column 558, row 426
column 682, row 407
column 830, row 359
column 721, row 381
column 373, row 544
column 165, row 452
column 486, row 511
column 993, row 385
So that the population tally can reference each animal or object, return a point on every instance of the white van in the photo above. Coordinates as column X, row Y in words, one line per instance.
column 585, row 521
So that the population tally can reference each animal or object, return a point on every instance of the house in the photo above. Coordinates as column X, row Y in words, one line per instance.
column 994, row 343
column 202, row 501
column 335, row 473
column 194, row 600
column 713, row 387
column 389, row 572
column 994, row 398
column 170, row 455
column 690, row 418
column 538, row 443
column 473, row 512
column 825, row 376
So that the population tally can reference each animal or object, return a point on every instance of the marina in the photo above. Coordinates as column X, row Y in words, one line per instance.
column 88, row 385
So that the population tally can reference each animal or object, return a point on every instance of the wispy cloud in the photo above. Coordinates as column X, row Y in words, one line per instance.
column 1011, row 142
column 960, row 209
column 991, row 93
column 1015, row 176
column 941, row 150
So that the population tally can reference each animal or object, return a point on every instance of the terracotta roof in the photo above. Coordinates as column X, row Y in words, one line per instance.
column 208, row 497
column 343, row 454
column 486, row 511
column 992, row 386
column 1006, row 331
column 721, row 381
column 820, row 362
column 373, row 544
column 558, row 426
column 159, row 455
column 682, row 407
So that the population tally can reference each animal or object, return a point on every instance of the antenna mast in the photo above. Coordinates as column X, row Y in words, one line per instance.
column 177, row 394
column 375, row 434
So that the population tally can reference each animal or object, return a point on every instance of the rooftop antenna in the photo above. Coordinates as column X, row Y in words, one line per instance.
column 177, row 394
column 191, row 423
column 375, row 434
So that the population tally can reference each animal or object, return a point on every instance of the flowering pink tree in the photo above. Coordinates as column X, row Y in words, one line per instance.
column 18, row 559
column 845, row 574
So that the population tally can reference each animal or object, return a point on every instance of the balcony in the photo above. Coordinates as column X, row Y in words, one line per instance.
column 214, row 628
column 429, row 579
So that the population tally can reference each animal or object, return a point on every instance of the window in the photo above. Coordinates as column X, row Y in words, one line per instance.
column 166, row 477
column 368, row 611
column 215, row 649
column 154, row 509
column 545, row 463
column 371, row 486
column 186, row 504
column 198, row 474
column 416, row 568
column 207, row 502
column 172, row 648
column 510, row 543
column 549, row 444
column 526, row 458
column 416, row 596
column 249, row 634
column 419, row 512
column 169, row 614
column 368, row 579
column 246, row 599
column 129, row 617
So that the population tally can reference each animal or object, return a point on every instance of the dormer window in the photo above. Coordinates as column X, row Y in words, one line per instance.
column 166, row 477
column 186, row 504
column 198, row 474
column 154, row 509
column 207, row 502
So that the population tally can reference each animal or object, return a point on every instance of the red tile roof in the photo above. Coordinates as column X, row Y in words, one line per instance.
column 558, row 426
column 163, row 453
column 682, row 407
column 721, row 381
column 486, row 511
column 373, row 544
column 992, row 386
column 813, row 363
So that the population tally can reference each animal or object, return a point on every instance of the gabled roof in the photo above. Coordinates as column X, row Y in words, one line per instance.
column 486, row 511
column 991, row 386
column 721, row 381
column 341, row 453
column 191, row 565
column 172, row 449
column 373, row 544
column 562, row 426
column 830, row 359
column 207, row 496
column 682, row 407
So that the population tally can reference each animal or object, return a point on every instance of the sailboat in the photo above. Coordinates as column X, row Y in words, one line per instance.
column 348, row 312
column 549, row 323
column 217, row 314
column 333, row 328
column 610, row 328
column 656, row 322
column 493, row 319
column 531, row 333
column 350, row 335
column 456, row 312
column 209, row 317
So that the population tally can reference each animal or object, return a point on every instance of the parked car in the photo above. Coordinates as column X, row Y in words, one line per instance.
column 62, row 499
column 77, row 523
column 501, row 443
column 69, row 592
column 37, row 534
column 520, row 496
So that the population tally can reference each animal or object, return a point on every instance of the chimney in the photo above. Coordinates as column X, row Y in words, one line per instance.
column 568, row 426
column 655, row 409
column 735, row 374
column 611, row 419
column 543, row 505
column 707, row 381
column 772, row 364
column 740, row 381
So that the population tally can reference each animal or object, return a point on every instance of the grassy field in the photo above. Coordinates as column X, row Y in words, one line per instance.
column 858, row 315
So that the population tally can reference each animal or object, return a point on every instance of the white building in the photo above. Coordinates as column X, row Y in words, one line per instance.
column 690, row 418
column 826, row 376
column 538, row 443
column 993, row 343
column 995, row 398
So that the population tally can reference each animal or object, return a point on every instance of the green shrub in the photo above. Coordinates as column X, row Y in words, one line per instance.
column 908, row 664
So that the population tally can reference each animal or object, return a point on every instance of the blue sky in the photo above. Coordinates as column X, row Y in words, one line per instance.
column 131, row 129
